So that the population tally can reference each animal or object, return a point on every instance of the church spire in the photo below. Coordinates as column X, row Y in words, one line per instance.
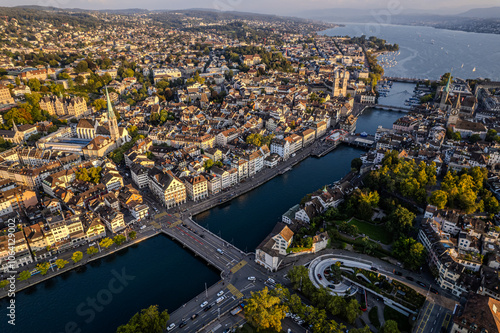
column 111, row 113
column 14, row 127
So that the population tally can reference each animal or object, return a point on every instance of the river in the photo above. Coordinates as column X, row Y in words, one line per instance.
column 166, row 274
column 428, row 53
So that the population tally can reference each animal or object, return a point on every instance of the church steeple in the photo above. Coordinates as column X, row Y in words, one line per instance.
column 114, row 132
column 14, row 127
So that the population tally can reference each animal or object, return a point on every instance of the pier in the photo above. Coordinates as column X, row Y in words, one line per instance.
column 365, row 142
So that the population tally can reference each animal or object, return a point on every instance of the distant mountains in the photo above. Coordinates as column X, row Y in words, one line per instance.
column 492, row 12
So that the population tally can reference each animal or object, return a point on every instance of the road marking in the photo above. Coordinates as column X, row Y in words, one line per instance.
column 175, row 224
column 238, row 266
column 155, row 224
column 177, row 214
column 234, row 291
column 446, row 320
column 159, row 216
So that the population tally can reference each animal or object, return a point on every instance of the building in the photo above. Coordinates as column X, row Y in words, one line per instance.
column 271, row 251
column 74, row 106
column 480, row 314
column 5, row 97
column 169, row 189
column 196, row 187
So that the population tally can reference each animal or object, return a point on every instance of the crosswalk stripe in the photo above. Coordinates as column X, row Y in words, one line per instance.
column 234, row 291
column 238, row 266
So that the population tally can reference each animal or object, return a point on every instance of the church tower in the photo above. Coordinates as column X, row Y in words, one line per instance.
column 445, row 94
column 114, row 132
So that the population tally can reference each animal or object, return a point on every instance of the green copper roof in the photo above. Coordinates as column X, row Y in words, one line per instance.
column 111, row 114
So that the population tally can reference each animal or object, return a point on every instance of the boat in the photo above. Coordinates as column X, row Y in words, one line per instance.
column 432, row 41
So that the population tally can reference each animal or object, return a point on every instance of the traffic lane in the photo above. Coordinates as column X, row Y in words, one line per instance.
column 213, row 313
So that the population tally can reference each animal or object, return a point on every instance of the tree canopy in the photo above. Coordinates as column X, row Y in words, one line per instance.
column 148, row 320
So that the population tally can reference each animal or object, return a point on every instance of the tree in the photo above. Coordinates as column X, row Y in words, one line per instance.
column 400, row 221
column 24, row 275
column 356, row 164
column 82, row 67
column 99, row 104
column 352, row 311
column 474, row 138
column 208, row 164
column 128, row 73
column 106, row 242
column 456, row 136
column 390, row 326
column 147, row 320
column 34, row 84
column 4, row 283
column 132, row 235
column 336, row 305
column 119, row 239
column 77, row 256
column 61, row 263
column 410, row 252
column 265, row 311
column 43, row 267
column 92, row 250
column 439, row 199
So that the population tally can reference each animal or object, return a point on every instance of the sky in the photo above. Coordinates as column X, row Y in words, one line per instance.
column 280, row 7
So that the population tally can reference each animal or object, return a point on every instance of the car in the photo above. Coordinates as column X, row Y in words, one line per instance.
column 220, row 299
column 433, row 290
column 319, row 276
column 193, row 317
column 271, row 281
column 397, row 273
column 420, row 283
column 220, row 293
column 202, row 305
column 409, row 278
column 251, row 278
column 170, row 327
column 331, row 286
column 374, row 269
column 220, row 251
column 181, row 325
column 207, row 308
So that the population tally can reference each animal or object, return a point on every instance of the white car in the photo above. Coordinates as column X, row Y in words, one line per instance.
column 220, row 293
column 170, row 327
column 220, row 299
column 220, row 251
column 251, row 278
column 202, row 305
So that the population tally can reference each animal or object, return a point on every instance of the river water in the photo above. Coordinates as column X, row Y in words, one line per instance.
column 163, row 272
column 428, row 53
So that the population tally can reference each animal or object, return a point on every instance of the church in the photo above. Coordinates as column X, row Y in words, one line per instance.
column 105, row 137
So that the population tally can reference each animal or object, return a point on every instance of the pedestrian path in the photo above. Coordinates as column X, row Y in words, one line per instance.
column 238, row 266
column 234, row 291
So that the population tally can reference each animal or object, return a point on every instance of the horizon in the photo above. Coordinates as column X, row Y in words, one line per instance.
column 445, row 7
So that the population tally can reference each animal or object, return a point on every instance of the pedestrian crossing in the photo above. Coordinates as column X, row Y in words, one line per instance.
column 175, row 224
column 156, row 225
column 177, row 214
column 159, row 216
column 238, row 266
column 234, row 291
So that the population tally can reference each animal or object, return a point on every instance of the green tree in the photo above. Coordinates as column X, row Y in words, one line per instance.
column 4, row 284
column 390, row 326
column 119, row 239
column 265, row 311
column 356, row 164
column 77, row 256
column 474, row 138
column 132, row 235
column 148, row 320
column 208, row 164
column 410, row 252
column 34, row 84
column 99, row 104
column 400, row 221
column 352, row 311
column 106, row 242
column 24, row 275
column 92, row 250
column 81, row 67
column 43, row 267
column 60, row 263
column 439, row 199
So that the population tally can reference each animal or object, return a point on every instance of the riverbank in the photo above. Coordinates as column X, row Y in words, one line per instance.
column 38, row 278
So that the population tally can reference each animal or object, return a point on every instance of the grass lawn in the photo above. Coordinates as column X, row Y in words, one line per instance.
column 373, row 315
column 375, row 232
column 402, row 320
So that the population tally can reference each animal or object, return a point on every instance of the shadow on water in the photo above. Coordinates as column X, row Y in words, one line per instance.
column 81, row 269
column 30, row 290
column 49, row 284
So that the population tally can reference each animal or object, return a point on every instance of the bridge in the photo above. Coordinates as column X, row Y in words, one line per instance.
column 233, row 264
column 391, row 108
column 406, row 79
column 360, row 141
